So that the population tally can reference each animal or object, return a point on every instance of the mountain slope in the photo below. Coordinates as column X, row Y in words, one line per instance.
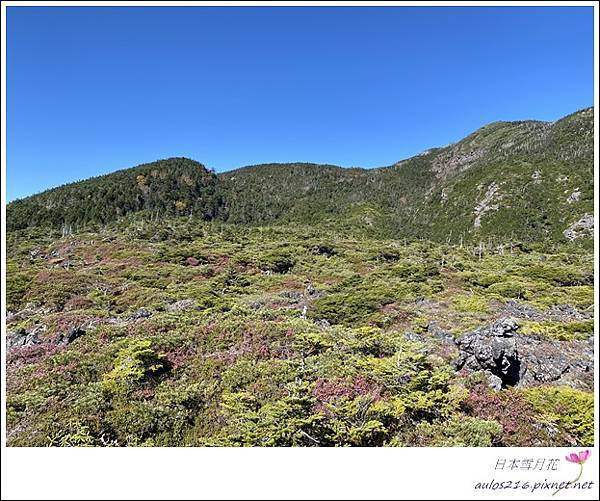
column 526, row 180
column 167, row 187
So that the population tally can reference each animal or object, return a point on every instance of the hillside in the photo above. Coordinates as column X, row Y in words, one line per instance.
column 188, row 333
column 528, row 181
column 446, row 300
column 509, row 180
column 163, row 188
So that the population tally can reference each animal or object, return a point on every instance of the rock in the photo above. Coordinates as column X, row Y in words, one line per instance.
column 582, row 228
column 116, row 321
column 569, row 363
column 494, row 382
column 492, row 349
column 322, row 323
column 293, row 296
column 504, row 354
column 24, row 337
column 28, row 337
column 435, row 341
column 415, row 337
column 567, row 312
column 574, row 197
column 521, row 310
column 433, row 329
column 313, row 292
column 28, row 311
column 184, row 304
column 558, row 313
column 65, row 338
column 423, row 301
column 35, row 253
column 485, row 204
column 140, row 314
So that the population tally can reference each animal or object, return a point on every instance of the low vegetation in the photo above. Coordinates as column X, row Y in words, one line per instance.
column 185, row 333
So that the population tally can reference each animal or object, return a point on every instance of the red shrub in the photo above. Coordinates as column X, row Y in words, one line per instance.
column 515, row 414
column 25, row 355
column 328, row 391
column 178, row 357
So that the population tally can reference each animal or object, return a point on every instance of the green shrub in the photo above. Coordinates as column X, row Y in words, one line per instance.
column 289, row 421
column 75, row 434
column 581, row 296
column 347, row 308
column 459, row 431
column 560, row 331
column 415, row 272
column 480, row 278
column 353, row 301
column 134, row 362
column 18, row 282
column 563, row 275
column 570, row 409
column 475, row 304
column 370, row 341
column 510, row 289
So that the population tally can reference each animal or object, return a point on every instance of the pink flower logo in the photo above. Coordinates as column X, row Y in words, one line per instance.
column 579, row 459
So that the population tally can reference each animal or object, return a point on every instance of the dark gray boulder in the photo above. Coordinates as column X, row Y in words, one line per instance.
column 558, row 313
column 67, row 337
column 140, row 314
column 24, row 337
column 509, row 358
column 493, row 350
column 569, row 363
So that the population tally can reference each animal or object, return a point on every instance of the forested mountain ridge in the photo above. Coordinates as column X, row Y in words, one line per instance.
column 526, row 180
column 167, row 187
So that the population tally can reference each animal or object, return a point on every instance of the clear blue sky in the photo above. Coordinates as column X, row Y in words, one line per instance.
column 92, row 90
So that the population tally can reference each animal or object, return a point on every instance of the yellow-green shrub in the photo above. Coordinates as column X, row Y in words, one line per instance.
column 570, row 409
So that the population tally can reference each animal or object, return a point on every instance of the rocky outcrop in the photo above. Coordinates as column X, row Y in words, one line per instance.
column 30, row 336
column 558, row 312
column 140, row 314
column 509, row 358
column 182, row 305
column 582, row 228
column 67, row 337
column 485, row 204
column 24, row 337
column 28, row 311
column 493, row 350
column 569, row 363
